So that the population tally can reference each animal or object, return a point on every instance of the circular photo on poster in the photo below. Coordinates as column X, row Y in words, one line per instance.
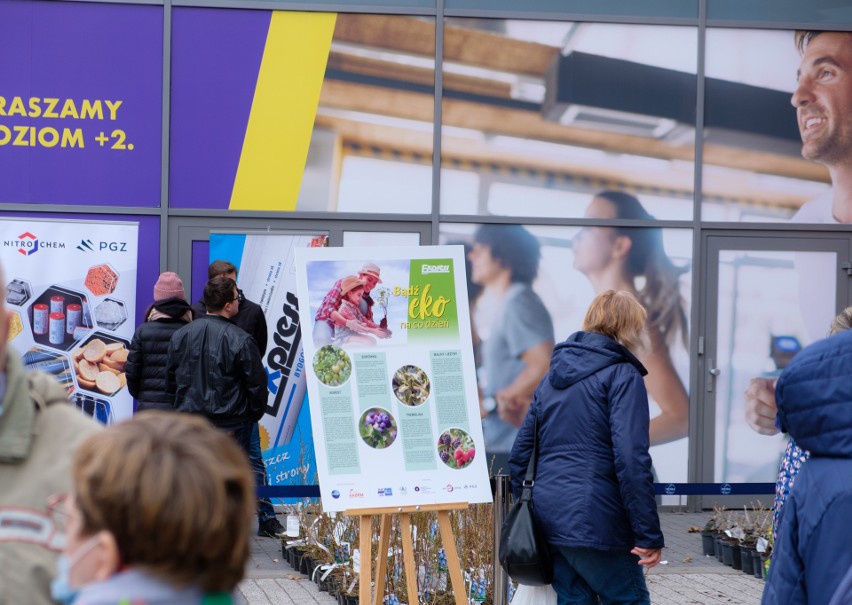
column 411, row 385
column 332, row 365
column 456, row 448
column 377, row 428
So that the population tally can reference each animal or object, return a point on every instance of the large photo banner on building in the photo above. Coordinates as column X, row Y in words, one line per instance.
column 71, row 296
column 81, row 87
column 391, row 376
column 266, row 275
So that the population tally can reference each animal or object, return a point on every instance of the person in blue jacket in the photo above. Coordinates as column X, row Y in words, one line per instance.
column 814, row 398
column 593, row 495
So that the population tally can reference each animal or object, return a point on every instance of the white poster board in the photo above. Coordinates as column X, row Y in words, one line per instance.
column 395, row 415
column 71, row 292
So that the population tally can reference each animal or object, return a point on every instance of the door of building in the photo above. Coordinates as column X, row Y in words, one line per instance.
column 767, row 295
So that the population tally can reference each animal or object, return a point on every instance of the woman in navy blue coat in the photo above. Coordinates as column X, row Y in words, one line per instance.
column 814, row 397
column 593, row 495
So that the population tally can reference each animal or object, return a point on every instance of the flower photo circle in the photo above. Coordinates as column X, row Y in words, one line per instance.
column 377, row 428
column 332, row 365
column 411, row 385
column 456, row 448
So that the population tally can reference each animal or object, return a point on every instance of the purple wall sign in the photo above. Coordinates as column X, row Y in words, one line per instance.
column 216, row 55
column 80, row 103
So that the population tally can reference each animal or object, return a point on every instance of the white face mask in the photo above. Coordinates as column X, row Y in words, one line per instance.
column 60, row 588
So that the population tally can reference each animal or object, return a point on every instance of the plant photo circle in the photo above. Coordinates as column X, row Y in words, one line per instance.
column 411, row 385
column 332, row 365
column 377, row 428
column 456, row 448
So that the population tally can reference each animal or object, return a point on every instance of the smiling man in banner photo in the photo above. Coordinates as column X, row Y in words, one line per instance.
column 823, row 101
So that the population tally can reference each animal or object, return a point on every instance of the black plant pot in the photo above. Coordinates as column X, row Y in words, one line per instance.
column 736, row 557
column 746, row 559
column 757, row 564
column 727, row 555
column 717, row 547
column 350, row 600
column 707, row 540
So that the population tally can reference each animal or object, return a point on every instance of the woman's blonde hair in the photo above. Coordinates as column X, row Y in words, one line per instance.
column 620, row 316
column 176, row 493
column 842, row 322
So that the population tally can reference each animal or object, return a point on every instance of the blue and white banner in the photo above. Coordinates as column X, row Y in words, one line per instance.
column 71, row 299
column 267, row 276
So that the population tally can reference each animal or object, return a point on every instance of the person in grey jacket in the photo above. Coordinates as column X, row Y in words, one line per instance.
column 39, row 431
column 593, row 493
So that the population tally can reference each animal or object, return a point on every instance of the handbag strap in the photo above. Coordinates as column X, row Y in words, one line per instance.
column 529, row 479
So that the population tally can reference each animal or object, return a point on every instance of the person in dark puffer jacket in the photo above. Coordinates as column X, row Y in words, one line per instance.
column 593, row 495
column 146, row 359
column 814, row 398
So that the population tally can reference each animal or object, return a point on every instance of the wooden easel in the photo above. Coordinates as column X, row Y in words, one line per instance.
column 365, row 578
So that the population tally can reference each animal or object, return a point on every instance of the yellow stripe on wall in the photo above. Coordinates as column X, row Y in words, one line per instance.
column 282, row 115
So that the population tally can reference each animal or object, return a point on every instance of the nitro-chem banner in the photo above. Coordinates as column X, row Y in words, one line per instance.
column 71, row 299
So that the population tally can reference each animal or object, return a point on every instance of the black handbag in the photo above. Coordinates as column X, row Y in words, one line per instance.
column 524, row 553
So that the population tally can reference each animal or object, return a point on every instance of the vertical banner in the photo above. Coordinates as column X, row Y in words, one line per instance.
column 71, row 296
column 267, row 276
column 391, row 376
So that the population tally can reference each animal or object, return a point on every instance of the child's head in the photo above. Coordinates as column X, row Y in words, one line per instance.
column 352, row 289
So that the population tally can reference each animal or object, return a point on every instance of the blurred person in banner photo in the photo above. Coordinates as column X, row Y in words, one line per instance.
column 515, row 328
column 250, row 318
column 146, row 359
column 325, row 323
column 158, row 512
column 813, row 552
column 39, row 431
column 593, row 496
column 350, row 325
column 214, row 369
column 633, row 259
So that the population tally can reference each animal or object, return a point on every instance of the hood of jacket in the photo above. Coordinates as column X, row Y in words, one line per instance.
column 814, row 397
column 584, row 354
column 173, row 307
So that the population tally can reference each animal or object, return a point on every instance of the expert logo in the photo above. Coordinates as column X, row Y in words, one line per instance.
column 355, row 494
column 335, row 494
column 435, row 269
column 385, row 491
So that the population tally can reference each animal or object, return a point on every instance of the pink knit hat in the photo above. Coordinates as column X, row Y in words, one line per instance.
column 168, row 285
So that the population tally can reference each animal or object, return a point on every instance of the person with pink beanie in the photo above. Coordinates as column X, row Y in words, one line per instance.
column 146, row 360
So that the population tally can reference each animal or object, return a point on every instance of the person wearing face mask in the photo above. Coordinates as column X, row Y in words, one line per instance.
column 159, row 513
column 39, row 431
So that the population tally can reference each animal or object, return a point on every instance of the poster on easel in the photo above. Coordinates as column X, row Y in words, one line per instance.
column 266, row 275
column 71, row 298
column 390, row 376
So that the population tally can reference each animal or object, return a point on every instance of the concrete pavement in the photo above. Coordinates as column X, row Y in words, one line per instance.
column 687, row 577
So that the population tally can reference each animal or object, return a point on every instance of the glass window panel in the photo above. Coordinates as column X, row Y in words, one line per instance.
column 406, row 188
column 781, row 11
column 753, row 166
column 368, row 102
column 557, row 111
column 576, row 263
column 380, row 238
column 762, row 296
column 618, row 8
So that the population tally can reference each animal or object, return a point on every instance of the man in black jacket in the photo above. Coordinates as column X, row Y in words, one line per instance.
column 214, row 369
column 251, row 319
